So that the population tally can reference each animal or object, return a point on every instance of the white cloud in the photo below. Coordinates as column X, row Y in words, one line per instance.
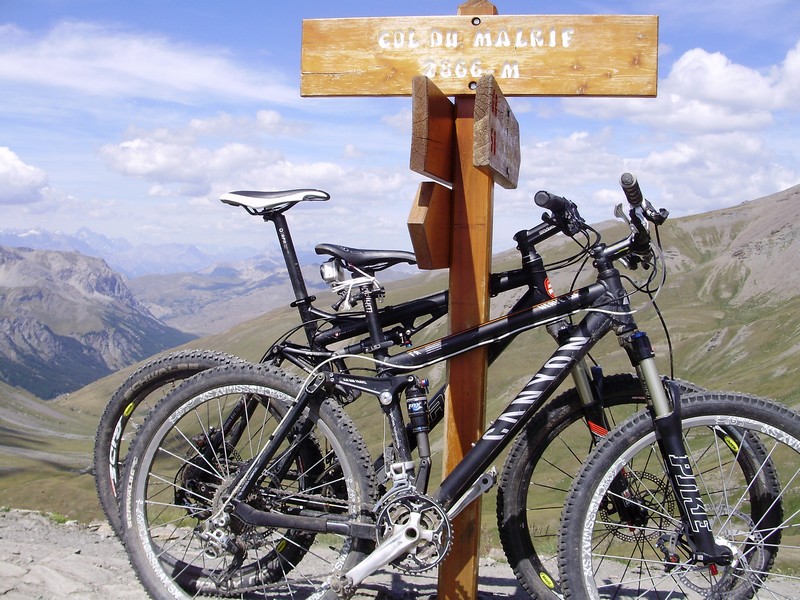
column 686, row 176
column 168, row 162
column 788, row 80
column 352, row 151
column 715, row 79
column 194, row 165
column 705, row 92
column 104, row 61
column 20, row 183
column 269, row 122
column 400, row 121
column 272, row 122
column 714, row 170
column 570, row 160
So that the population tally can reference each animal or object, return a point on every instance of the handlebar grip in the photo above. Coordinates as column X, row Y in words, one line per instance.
column 630, row 186
column 551, row 202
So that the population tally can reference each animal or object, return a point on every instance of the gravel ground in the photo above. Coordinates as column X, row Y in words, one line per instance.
column 46, row 560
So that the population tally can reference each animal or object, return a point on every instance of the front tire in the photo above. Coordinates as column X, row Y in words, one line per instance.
column 538, row 472
column 745, row 454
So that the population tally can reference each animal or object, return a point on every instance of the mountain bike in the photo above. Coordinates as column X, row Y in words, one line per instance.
column 600, row 399
column 247, row 479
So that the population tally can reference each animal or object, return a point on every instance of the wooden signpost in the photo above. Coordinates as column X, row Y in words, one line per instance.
column 496, row 133
column 466, row 146
column 562, row 55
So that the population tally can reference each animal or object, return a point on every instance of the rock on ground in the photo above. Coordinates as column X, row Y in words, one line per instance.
column 42, row 559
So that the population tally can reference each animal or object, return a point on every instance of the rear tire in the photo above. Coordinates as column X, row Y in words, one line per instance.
column 126, row 412
column 179, row 471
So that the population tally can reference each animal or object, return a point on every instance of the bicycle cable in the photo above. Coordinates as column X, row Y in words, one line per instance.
column 661, row 316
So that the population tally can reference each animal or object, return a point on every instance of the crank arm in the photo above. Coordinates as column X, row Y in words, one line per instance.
column 401, row 541
column 477, row 489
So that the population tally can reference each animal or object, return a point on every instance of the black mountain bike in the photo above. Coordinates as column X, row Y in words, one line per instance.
column 246, row 479
column 596, row 399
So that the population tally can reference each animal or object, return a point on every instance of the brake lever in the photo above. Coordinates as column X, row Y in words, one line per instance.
column 619, row 212
column 569, row 225
column 656, row 217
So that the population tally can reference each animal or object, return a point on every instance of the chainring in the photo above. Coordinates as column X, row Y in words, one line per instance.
column 435, row 529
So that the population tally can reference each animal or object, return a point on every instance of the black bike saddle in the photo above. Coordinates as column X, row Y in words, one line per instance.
column 369, row 261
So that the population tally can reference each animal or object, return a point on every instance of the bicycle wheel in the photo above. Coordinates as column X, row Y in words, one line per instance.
column 127, row 409
column 539, row 470
column 744, row 453
column 193, row 448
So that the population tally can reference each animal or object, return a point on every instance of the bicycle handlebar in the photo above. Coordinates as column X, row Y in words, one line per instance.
column 630, row 186
column 566, row 218
column 551, row 202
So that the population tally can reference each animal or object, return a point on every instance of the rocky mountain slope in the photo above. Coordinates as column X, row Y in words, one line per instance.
column 752, row 250
column 216, row 298
column 67, row 319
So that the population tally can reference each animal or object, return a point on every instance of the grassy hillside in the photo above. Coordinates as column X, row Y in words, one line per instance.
column 45, row 453
column 731, row 302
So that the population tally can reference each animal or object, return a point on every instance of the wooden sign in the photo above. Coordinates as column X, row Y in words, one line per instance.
column 528, row 55
column 432, row 131
column 496, row 143
column 430, row 224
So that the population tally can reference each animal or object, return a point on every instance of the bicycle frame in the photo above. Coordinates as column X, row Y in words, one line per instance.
column 349, row 325
column 388, row 388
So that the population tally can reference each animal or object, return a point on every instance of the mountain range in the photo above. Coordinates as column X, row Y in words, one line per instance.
column 126, row 258
column 67, row 319
column 216, row 298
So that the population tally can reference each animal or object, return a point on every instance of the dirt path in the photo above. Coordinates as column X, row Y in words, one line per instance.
column 44, row 560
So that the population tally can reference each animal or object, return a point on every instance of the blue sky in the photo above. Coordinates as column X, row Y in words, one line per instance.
column 131, row 118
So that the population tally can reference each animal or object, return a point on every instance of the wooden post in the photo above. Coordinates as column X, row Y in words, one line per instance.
column 470, row 266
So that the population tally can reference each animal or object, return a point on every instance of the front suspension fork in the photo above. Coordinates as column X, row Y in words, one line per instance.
column 664, row 406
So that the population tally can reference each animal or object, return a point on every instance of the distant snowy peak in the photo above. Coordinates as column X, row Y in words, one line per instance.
column 120, row 254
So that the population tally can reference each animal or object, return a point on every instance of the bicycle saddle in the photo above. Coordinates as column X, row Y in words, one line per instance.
column 367, row 260
column 263, row 202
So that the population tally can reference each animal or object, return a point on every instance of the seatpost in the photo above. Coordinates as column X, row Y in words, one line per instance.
column 302, row 301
